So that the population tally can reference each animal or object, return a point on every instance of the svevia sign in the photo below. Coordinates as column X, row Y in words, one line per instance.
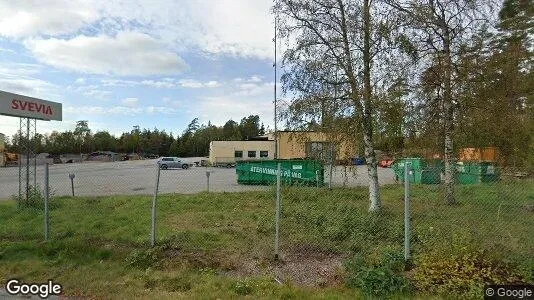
column 27, row 107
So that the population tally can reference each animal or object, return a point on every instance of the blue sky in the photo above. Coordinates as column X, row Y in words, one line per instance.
column 152, row 63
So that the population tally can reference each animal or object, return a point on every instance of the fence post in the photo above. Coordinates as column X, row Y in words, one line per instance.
column 277, row 221
column 208, row 180
column 46, row 199
column 331, row 166
column 154, row 200
column 72, row 176
column 406, row 212
column 317, row 178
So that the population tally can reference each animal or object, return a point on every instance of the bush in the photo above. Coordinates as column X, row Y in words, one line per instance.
column 243, row 287
column 379, row 276
column 461, row 274
column 144, row 259
column 35, row 199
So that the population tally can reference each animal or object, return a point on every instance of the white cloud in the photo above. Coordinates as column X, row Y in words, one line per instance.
column 190, row 83
column 195, row 84
column 242, row 99
column 119, row 110
column 219, row 109
column 97, row 94
column 18, row 69
column 118, row 82
column 159, row 84
column 212, row 83
column 9, row 125
column 253, row 79
column 172, row 103
column 29, row 18
column 27, row 86
column 255, row 89
column 92, row 91
column 163, row 83
column 127, row 53
column 130, row 102
column 241, row 28
column 80, row 80
column 236, row 27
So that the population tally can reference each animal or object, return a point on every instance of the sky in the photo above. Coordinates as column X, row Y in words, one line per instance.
column 152, row 63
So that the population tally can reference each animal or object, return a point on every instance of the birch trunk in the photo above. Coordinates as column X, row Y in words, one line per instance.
column 374, row 193
column 448, row 121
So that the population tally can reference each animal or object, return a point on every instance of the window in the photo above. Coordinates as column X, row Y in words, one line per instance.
column 264, row 153
column 252, row 154
column 238, row 154
column 167, row 159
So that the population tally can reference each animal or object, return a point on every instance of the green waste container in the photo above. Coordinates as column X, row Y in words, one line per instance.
column 477, row 172
column 263, row 172
column 422, row 171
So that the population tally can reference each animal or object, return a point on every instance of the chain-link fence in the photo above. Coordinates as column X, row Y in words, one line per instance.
column 306, row 231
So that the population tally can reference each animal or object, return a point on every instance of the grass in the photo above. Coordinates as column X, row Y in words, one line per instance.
column 220, row 245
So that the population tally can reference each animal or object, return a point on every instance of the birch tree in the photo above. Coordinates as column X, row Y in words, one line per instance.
column 441, row 30
column 333, row 46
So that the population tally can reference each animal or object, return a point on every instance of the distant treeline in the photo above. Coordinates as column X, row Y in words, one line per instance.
column 194, row 141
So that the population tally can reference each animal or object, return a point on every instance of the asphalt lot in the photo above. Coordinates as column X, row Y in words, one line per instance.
column 138, row 177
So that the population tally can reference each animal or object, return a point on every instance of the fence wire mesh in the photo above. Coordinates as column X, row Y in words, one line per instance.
column 207, row 223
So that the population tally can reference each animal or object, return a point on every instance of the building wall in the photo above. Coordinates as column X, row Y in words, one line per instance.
column 292, row 144
column 224, row 151
column 2, row 145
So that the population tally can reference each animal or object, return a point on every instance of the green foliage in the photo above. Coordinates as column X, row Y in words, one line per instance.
column 378, row 276
column 35, row 200
column 181, row 283
column 243, row 287
column 462, row 273
column 145, row 258
column 215, row 245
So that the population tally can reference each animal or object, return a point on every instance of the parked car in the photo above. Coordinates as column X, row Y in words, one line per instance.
column 172, row 162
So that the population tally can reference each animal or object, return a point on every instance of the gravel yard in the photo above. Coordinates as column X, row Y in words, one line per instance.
column 138, row 177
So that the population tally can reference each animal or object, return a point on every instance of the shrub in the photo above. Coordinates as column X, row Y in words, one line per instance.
column 144, row 259
column 462, row 274
column 243, row 287
column 379, row 276
column 35, row 199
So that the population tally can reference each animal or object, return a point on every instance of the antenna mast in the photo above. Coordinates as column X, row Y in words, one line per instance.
column 275, row 100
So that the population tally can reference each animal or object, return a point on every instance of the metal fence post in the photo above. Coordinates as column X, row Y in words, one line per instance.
column 154, row 200
column 331, row 167
column 46, row 199
column 72, row 176
column 208, row 181
column 277, row 221
column 406, row 211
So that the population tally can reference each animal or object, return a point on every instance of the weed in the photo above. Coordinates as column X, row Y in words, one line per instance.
column 243, row 287
column 378, row 277
column 144, row 259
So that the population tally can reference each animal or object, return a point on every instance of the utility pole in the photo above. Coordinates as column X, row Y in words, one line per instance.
column 275, row 100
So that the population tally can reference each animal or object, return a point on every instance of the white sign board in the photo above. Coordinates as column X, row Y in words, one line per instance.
column 27, row 107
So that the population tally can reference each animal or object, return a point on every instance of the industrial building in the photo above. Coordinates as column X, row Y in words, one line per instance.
column 290, row 144
column 226, row 153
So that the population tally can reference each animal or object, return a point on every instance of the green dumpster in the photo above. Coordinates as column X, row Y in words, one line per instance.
column 421, row 171
column 263, row 172
column 477, row 172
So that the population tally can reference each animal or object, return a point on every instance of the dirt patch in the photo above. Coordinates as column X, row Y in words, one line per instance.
column 302, row 265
